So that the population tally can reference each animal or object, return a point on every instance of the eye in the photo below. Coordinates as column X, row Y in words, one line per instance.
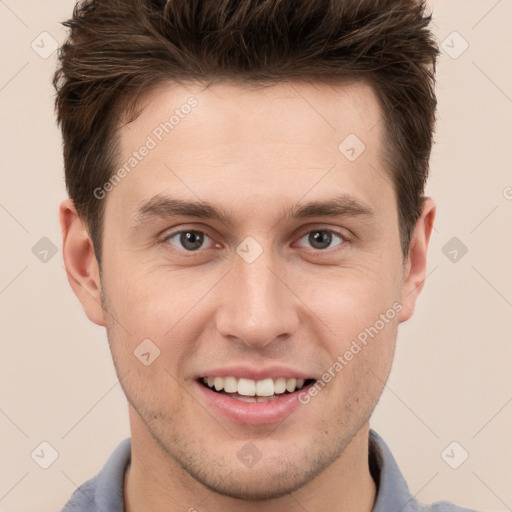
column 190, row 240
column 321, row 239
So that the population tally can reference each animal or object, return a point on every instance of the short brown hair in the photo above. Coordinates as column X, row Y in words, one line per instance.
column 117, row 49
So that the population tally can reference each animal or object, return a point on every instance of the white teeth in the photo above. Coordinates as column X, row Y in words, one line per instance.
column 280, row 385
column 251, row 388
column 246, row 387
column 265, row 387
column 230, row 385
column 218, row 383
column 291, row 384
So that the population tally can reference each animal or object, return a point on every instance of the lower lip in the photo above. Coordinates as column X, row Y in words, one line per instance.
column 253, row 413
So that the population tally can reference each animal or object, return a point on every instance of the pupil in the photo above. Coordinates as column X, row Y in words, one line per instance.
column 320, row 237
column 191, row 240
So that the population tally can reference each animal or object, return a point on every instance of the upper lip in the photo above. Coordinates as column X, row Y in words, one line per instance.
column 250, row 372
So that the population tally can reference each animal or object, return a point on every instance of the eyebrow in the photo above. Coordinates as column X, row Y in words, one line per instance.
column 161, row 206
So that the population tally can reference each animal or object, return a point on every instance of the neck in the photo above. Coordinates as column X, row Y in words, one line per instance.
column 154, row 481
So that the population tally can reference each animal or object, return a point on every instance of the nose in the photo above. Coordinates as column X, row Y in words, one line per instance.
column 258, row 305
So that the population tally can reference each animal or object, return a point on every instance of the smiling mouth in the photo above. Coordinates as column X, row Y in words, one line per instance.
column 248, row 390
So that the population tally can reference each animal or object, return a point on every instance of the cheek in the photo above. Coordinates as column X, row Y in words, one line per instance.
column 350, row 299
column 168, row 308
column 151, row 300
column 363, row 364
column 360, row 310
column 146, row 373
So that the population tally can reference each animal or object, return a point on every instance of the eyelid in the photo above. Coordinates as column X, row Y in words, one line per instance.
column 344, row 233
column 180, row 228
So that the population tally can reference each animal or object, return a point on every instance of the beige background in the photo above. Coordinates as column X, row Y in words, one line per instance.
column 451, row 379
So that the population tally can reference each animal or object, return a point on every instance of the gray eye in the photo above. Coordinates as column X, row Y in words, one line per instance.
column 321, row 238
column 189, row 240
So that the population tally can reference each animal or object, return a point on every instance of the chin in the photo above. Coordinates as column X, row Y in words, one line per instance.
column 256, row 485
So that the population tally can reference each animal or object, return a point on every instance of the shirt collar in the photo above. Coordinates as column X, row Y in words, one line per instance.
column 392, row 490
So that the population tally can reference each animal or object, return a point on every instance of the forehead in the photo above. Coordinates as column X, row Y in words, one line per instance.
column 310, row 110
column 248, row 145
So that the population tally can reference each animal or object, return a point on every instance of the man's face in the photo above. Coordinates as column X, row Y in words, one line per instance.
column 258, row 293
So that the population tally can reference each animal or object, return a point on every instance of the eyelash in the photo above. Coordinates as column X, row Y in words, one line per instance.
column 339, row 234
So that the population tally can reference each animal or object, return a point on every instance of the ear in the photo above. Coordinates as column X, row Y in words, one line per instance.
column 415, row 267
column 80, row 261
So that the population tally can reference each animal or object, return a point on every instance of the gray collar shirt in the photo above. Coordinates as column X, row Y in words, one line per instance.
column 104, row 492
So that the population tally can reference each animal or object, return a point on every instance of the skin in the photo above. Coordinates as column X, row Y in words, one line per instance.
column 253, row 153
